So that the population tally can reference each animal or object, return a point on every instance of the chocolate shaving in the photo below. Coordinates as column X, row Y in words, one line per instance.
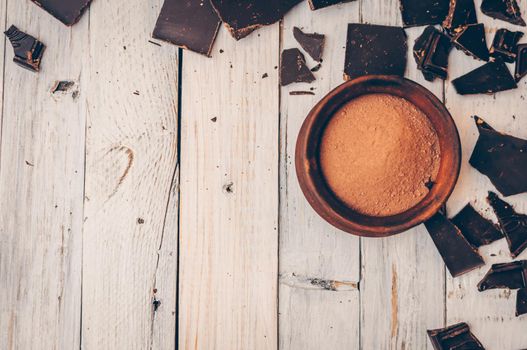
column 490, row 78
column 521, row 302
column 476, row 229
column 471, row 40
column 431, row 51
column 299, row 93
column 512, row 275
column 455, row 337
column 505, row 45
column 293, row 68
column 28, row 50
column 521, row 62
column 68, row 12
column 460, row 14
column 318, row 4
column 312, row 43
column 423, row 12
column 506, row 10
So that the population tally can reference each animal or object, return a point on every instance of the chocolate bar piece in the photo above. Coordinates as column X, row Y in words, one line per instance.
column 455, row 337
column 421, row 12
column 312, row 43
column 375, row 49
column 471, row 40
column 506, row 10
column 460, row 14
column 512, row 224
column 28, row 50
column 431, row 52
column 502, row 158
column 512, row 275
column 457, row 253
column 521, row 62
column 192, row 25
column 318, row 4
column 521, row 302
column 490, row 78
column 476, row 229
column 242, row 17
column 505, row 45
column 293, row 68
column 68, row 12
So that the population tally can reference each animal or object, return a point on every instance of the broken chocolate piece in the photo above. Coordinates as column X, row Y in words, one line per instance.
column 505, row 45
column 490, row 78
column 521, row 62
column 293, row 68
column 512, row 275
column 521, row 302
column 244, row 17
column 28, row 50
column 318, row 4
column 422, row 12
column 506, row 10
column 471, row 40
column 457, row 253
column 502, row 158
column 312, row 43
column 476, row 229
column 512, row 224
column 375, row 49
column 460, row 14
column 68, row 12
column 192, row 25
column 431, row 52
column 455, row 337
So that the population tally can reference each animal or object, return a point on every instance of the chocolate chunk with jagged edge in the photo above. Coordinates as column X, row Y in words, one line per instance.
column 455, row 337
column 242, row 17
column 506, row 10
column 192, row 25
column 512, row 224
column 28, row 50
column 293, row 68
column 476, row 229
column 375, row 49
column 521, row 62
column 521, row 302
column 312, row 43
column 471, row 40
column 457, row 253
column 460, row 14
column 505, row 45
column 318, row 4
column 502, row 158
column 422, row 12
column 431, row 52
column 490, row 78
column 512, row 275
column 68, row 12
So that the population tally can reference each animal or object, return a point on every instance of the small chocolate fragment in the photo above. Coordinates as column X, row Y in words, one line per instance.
column 512, row 275
column 431, row 52
column 506, row 10
column 242, row 17
column 512, row 224
column 460, row 14
column 521, row 302
column 422, row 12
column 505, row 45
column 192, row 25
column 455, row 337
column 521, row 62
column 471, row 40
column 68, row 12
column 476, row 229
column 375, row 49
column 293, row 68
column 502, row 158
column 457, row 253
column 28, row 50
column 300, row 93
column 312, row 43
column 318, row 4
column 490, row 78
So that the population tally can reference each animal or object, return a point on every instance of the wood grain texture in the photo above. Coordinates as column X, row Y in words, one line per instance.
column 131, row 156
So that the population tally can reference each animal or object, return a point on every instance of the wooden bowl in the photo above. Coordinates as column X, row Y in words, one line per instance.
column 317, row 192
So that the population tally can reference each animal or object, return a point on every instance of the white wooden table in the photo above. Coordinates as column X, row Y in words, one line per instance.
column 170, row 177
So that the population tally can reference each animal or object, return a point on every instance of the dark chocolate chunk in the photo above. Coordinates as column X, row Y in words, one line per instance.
column 505, row 45
column 422, row 12
column 521, row 302
column 476, row 229
column 506, row 10
column 501, row 157
column 457, row 253
column 28, row 50
column 318, row 4
column 471, row 40
column 521, row 62
column 431, row 52
column 455, row 337
column 67, row 11
column 460, row 14
column 312, row 43
column 375, row 49
column 293, row 68
column 242, row 17
column 192, row 25
column 512, row 275
column 512, row 224
column 490, row 78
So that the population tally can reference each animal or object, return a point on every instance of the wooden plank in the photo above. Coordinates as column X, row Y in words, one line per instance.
column 41, row 187
column 229, row 195
column 131, row 156
column 312, row 252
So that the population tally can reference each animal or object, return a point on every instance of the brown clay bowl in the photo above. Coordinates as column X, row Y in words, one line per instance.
column 327, row 205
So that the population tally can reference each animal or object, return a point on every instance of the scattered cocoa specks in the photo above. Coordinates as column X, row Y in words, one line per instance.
column 316, row 68
column 214, row 120
column 124, row 48
column 136, row 92
column 265, row 75
column 153, row 42
column 156, row 303
column 221, row 51
column 29, row 164
column 297, row 93
column 228, row 188
column 141, row 221
column 62, row 86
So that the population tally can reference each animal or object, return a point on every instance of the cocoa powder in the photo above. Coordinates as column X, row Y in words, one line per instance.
column 378, row 153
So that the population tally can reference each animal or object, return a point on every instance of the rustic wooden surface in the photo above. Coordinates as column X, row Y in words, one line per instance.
column 155, row 147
